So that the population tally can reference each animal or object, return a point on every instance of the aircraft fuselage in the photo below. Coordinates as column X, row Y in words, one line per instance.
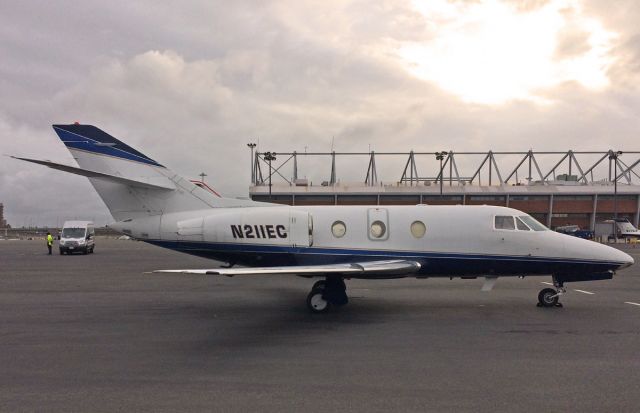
column 445, row 240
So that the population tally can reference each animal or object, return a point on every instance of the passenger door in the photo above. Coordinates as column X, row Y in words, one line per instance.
column 300, row 229
column 91, row 232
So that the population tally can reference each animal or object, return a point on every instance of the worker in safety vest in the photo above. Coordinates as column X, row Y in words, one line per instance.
column 49, row 242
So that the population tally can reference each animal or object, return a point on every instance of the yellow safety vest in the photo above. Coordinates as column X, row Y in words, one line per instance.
column 49, row 240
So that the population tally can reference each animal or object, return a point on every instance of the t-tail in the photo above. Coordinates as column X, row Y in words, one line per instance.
column 131, row 184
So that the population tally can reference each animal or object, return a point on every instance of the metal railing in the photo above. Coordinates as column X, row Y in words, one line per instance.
column 573, row 165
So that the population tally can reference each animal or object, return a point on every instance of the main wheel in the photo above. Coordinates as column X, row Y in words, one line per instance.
column 316, row 303
column 319, row 284
column 548, row 297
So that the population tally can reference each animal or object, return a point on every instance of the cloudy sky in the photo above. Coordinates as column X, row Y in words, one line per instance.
column 190, row 83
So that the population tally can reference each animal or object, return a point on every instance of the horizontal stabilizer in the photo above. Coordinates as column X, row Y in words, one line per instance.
column 167, row 185
column 395, row 267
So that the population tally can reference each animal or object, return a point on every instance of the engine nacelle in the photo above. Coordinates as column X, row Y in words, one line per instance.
column 264, row 225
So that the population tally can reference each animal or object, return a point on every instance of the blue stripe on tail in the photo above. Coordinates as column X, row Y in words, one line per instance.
column 91, row 139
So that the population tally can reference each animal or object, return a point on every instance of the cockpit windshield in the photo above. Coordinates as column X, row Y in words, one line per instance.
column 533, row 223
column 73, row 232
column 520, row 223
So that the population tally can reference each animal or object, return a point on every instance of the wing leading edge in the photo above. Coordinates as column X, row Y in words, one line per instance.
column 395, row 267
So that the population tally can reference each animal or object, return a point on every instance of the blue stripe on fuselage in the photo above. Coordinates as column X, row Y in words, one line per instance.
column 433, row 263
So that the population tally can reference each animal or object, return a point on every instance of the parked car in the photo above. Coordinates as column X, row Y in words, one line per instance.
column 575, row 231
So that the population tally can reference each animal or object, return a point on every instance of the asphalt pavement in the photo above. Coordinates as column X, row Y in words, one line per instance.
column 95, row 333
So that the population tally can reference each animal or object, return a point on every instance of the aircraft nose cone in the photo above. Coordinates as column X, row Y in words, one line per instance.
column 612, row 255
column 626, row 259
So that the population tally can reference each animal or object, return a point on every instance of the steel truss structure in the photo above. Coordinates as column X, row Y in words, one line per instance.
column 572, row 163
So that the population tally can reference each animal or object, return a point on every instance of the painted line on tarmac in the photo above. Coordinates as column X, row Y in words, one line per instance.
column 632, row 303
column 584, row 292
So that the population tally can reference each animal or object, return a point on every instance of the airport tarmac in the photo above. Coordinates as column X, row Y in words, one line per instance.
column 94, row 333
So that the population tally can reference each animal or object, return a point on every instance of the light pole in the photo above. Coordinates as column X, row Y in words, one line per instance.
column 202, row 175
column 440, row 157
column 613, row 156
column 270, row 156
column 253, row 176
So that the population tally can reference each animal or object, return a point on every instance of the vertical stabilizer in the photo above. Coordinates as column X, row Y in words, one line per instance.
column 97, row 151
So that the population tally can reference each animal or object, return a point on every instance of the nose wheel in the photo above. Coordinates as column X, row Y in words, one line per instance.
column 327, row 293
column 549, row 297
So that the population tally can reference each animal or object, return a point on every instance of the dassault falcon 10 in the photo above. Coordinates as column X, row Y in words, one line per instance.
column 152, row 204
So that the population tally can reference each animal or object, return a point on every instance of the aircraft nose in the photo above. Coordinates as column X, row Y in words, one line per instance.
column 626, row 259
column 613, row 255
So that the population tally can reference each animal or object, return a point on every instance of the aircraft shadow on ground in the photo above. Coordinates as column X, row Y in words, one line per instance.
column 279, row 316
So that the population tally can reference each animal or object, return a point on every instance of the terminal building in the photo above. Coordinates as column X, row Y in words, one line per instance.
column 557, row 188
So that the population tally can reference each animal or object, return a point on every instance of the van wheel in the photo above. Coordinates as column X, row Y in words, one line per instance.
column 85, row 251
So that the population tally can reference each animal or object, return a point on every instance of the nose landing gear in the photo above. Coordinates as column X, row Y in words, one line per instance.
column 327, row 293
column 549, row 297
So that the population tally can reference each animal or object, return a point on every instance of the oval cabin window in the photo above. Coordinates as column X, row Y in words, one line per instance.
column 418, row 229
column 378, row 229
column 338, row 229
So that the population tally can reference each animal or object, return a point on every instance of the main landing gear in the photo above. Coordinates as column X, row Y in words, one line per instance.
column 549, row 297
column 326, row 293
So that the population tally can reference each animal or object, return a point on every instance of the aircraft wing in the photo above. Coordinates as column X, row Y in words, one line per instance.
column 396, row 267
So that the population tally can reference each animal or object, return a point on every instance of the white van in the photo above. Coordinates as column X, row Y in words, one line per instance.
column 77, row 236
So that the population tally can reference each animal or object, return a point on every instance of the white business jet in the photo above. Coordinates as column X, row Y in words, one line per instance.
column 152, row 204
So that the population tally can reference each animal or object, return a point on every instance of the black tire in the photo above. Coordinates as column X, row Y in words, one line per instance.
column 86, row 250
column 316, row 303
column 93, row 248
column 319, row 284
column 548, row 297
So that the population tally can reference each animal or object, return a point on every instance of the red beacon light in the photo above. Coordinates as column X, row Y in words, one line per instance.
column 76, row 123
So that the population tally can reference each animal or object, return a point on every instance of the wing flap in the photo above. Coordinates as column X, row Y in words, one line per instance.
column 398, row 267
column 100, row 175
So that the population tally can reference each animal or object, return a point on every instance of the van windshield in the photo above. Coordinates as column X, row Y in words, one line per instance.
column 73, row 232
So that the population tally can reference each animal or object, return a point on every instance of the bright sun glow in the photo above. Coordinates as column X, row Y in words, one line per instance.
column 490, row 52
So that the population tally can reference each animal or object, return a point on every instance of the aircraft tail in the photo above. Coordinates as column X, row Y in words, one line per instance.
column 131, row 184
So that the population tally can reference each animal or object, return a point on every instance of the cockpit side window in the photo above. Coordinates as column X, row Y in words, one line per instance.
column 504, row 222
column 521, row 225
column 532, row 223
